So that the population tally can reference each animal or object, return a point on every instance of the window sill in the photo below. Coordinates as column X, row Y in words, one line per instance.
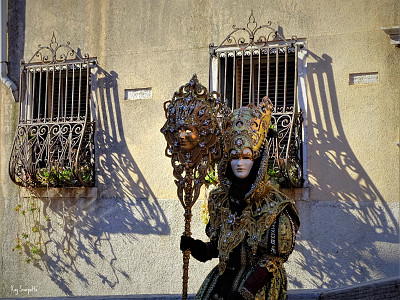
column 73, row 193
column 297, row 194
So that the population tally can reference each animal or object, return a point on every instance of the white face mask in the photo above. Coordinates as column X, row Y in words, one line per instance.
column 241, row 163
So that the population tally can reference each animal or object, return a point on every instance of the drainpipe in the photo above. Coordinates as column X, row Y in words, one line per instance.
column 3, row 49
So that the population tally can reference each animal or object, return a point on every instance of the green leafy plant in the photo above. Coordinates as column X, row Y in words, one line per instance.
column 211, row 181
column 64, row 176
column 29, row 241
column 212, row 176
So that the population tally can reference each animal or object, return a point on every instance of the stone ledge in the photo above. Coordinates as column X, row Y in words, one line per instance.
column 66, row 193
column 376, row 290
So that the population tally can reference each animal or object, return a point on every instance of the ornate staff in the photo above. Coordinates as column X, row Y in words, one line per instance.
column 192, row 135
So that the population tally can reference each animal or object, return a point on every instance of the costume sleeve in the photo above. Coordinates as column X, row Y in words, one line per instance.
column 276, row 246
column 202, row 251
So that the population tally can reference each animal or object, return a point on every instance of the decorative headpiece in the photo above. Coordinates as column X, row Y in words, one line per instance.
column 247, row 127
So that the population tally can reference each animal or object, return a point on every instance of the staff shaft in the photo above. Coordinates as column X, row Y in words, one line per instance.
column 186, row 254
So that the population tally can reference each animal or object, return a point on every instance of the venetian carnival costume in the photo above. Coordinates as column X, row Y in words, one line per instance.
column 252, row 225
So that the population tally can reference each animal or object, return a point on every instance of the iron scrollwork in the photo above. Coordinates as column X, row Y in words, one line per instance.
column 53, row 155
column 56, row 53
column 246, row 37
column 54, row 141
column 250, row 41
column 286, row 163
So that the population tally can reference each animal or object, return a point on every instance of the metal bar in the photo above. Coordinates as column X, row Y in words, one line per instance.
column 23, row 112
column 67, row 62
column 233, row 104
column 66, row 94
column 251, row 78
column 40, row 92
column 33, row 98
column 292, row 116
column 268, row 61
column 219, row 74
column 87, row 93
column 52, row 97
column 59, row 93
column 295, row 78
column 276, row 78
column 72, row 92
column 259, row 76
column 22, row 104
column 241, row 81
column 285, row 80
column 21, row 93
column 28, row 98
column 45, row 97
column 20, row 96
column 210, row 73
column 80, row 88
column 225, row 73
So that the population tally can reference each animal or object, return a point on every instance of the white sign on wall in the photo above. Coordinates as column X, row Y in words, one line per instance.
column 363, row 78
column 138, row 94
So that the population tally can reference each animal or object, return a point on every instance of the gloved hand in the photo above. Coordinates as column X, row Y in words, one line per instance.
column 186, row 242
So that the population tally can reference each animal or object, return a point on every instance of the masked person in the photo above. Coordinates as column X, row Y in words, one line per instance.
column 252, row 225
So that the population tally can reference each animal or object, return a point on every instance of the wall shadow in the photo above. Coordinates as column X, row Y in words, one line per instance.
column 16, row 37
column 78, row 236
column 360, row 220
column 79, row 249
column 118, row 175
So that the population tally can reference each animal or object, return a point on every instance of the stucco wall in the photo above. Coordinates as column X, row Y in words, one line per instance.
column 123, row 236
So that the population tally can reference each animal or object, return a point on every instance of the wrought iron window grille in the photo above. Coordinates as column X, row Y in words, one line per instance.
column 54, row 141
column 257, row 61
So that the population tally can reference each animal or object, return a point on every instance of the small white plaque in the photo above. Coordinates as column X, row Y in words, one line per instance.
column 363, row 78
column 138, row 94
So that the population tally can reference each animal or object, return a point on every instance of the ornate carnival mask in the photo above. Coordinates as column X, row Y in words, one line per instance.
column 191, row 129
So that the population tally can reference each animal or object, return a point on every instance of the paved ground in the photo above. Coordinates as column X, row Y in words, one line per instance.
column 376, row 290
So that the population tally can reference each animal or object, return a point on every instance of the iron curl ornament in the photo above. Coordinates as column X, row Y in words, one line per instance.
column 192, row 133
column 56, row 53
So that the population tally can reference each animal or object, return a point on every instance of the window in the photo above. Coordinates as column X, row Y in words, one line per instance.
column 244, row 71
column 54, row 141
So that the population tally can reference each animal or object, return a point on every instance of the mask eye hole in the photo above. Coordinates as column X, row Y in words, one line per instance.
column 234, row 155
column 247, row 156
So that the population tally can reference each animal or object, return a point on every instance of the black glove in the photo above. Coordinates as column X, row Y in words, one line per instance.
column 199, row 250
column 186, row 242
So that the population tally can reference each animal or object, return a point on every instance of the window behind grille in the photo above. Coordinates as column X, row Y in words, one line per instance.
column 54, row 141
column 57, row 93
column 247, row 73
column 247, row 76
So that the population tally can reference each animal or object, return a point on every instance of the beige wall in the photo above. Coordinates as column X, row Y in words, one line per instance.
column 126, row 240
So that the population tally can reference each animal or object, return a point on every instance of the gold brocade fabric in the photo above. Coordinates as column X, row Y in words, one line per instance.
column 251, row 233
column 254, row 241
column 254, row 221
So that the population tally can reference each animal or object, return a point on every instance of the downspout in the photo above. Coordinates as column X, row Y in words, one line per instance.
column 3, row 49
